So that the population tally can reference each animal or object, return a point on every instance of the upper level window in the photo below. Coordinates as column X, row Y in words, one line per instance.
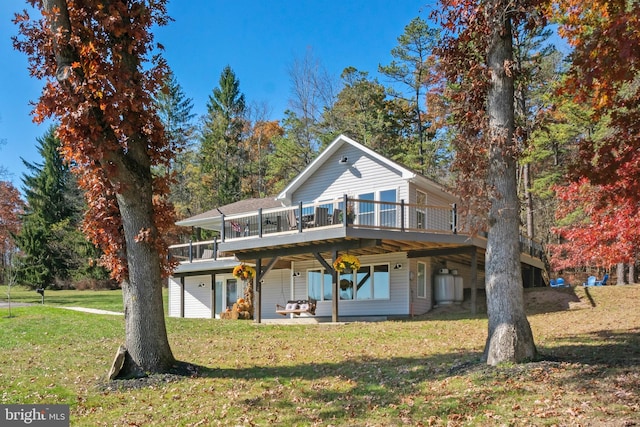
column 388, row 208
column 421, row 209
column 366, row 210
column 383, row 213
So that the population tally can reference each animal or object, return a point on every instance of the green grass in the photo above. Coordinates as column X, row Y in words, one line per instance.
column 421, row 372
column 105, row 299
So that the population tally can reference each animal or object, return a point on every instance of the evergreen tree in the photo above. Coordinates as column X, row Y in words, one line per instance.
column 221, row 155
column 174, row 110
column 55, row 253
column 363, row 112
column 413, row 68
column 292, row 152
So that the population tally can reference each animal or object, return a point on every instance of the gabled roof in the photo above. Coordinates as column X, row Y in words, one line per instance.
column 213, row 217
column 337, row 145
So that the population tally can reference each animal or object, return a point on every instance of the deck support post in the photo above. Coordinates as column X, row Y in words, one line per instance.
column 257, row 293
column 474, row 280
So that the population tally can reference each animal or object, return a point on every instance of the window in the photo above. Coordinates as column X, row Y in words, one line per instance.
column 388, row 208
column 319, row 284
column 372, row 282
column 368, row 283
column 422, row 280
column 383, row 213
column 232, row 292
column 421, row 209
column 366, row 210
column 346, row 286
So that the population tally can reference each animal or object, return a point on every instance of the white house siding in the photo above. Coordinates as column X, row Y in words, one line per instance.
column 197, row 298
column 421, row 305
column 174, row 296
column 276, row 289
column 396, row 305
column 361, row 174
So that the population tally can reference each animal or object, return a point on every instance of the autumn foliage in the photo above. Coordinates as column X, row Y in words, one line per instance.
column 604, row 73
column 109, row 131
column 600, row 207
column 600, row 234
column 11, row 206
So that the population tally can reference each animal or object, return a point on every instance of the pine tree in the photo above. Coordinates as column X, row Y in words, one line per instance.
column 413, row 67
column 221, row 155
column 175, row 112
column 55, row 253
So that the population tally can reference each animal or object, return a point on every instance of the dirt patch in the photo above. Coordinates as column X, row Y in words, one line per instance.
column 180, row 371
column 536, row 301
column 547, row 300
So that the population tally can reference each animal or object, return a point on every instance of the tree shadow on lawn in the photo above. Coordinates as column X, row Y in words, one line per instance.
column 605, row 347
column 348, row 389
column 351, row 388
column 397, row 381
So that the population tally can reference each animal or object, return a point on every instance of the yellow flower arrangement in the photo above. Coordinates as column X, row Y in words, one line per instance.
column 244, row 272
column 346, row 262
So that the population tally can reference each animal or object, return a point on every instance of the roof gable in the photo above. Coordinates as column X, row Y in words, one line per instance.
column 338, row 145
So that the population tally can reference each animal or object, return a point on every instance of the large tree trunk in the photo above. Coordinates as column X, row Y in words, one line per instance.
column 129, row 171
column 145, row 331
column 510, row 337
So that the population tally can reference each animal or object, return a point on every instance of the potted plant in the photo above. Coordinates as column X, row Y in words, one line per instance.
column 346, row 263
column 351, row 214
column 244, row 272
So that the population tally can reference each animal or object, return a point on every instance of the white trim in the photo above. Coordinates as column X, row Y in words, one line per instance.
column 426, row 282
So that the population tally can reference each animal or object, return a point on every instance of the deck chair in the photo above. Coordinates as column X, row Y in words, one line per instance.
column 292, row 219
column 297, row 307
column 207, row 253
column 558, row 283
column 321, row 217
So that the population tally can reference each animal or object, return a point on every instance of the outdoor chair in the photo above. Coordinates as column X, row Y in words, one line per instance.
column 292, row 219
column 321, row 217
column 592, row 281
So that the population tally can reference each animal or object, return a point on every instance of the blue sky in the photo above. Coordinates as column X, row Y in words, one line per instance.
column 259, row 40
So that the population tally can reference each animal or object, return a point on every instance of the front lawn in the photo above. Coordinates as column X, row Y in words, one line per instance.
column 417, row 372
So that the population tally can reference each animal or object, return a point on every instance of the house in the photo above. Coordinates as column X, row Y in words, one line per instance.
column 401, row 226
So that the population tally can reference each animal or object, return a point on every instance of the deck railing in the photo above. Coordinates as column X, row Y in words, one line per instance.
column 359, row 213
column 306, row 217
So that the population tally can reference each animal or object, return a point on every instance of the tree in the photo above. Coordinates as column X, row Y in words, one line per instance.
column 222, row 157
column 605, row 178
column 363, row 112
column 312, row 92
column 593, row 232
column 413, row 66
column 54, row 251
column 292, row 152
column 477, row 58
column 100, row 86
column 259, row 145
column 604, row 74
column 536, row 62
column 11, row 208
column 174, row 110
